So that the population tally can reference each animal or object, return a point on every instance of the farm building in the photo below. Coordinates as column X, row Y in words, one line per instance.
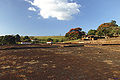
column 92, row 37
column 89, row 37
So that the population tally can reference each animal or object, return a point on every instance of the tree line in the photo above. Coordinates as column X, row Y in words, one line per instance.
column 17, row 39
column 13, row 39
column 106, row 29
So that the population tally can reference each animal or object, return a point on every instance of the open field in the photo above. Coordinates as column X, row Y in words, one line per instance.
column 44, row 62
column 53, row 37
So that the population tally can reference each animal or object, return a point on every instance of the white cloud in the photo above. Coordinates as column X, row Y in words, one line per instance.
column 60, row 9
column 31, row 9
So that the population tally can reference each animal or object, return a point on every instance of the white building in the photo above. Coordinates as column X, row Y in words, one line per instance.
column 49, row 42
column 25, row 42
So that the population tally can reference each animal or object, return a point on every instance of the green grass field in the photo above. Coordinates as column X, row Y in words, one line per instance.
column 60, row 38
column 44, row 38
column 53, row 37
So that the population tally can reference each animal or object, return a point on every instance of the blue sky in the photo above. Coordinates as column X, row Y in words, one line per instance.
column 15, row 18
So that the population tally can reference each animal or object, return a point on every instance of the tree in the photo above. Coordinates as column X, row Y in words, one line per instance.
column 92, row 32
column 105, row 32
column 99, row 33
column 115, row 31
column 26, row 39
column 8, row 39
column 108, row 29
column 83, row 33
column 49, row 39
column 113, row 22
column 67, row 35
column 1, row 38
column 17, row 38
column 75, row 33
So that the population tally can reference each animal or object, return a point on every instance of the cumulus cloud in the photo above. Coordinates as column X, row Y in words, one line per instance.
column 31, row 9
column 60, row 9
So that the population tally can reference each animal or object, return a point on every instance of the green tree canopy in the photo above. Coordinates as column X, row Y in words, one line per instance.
column 49, row 39
column 99, row 33
column 8, row 39
column 113, row 22
column 92, row 32
column 17, row 38
column 26, row 39
column 108, row 29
